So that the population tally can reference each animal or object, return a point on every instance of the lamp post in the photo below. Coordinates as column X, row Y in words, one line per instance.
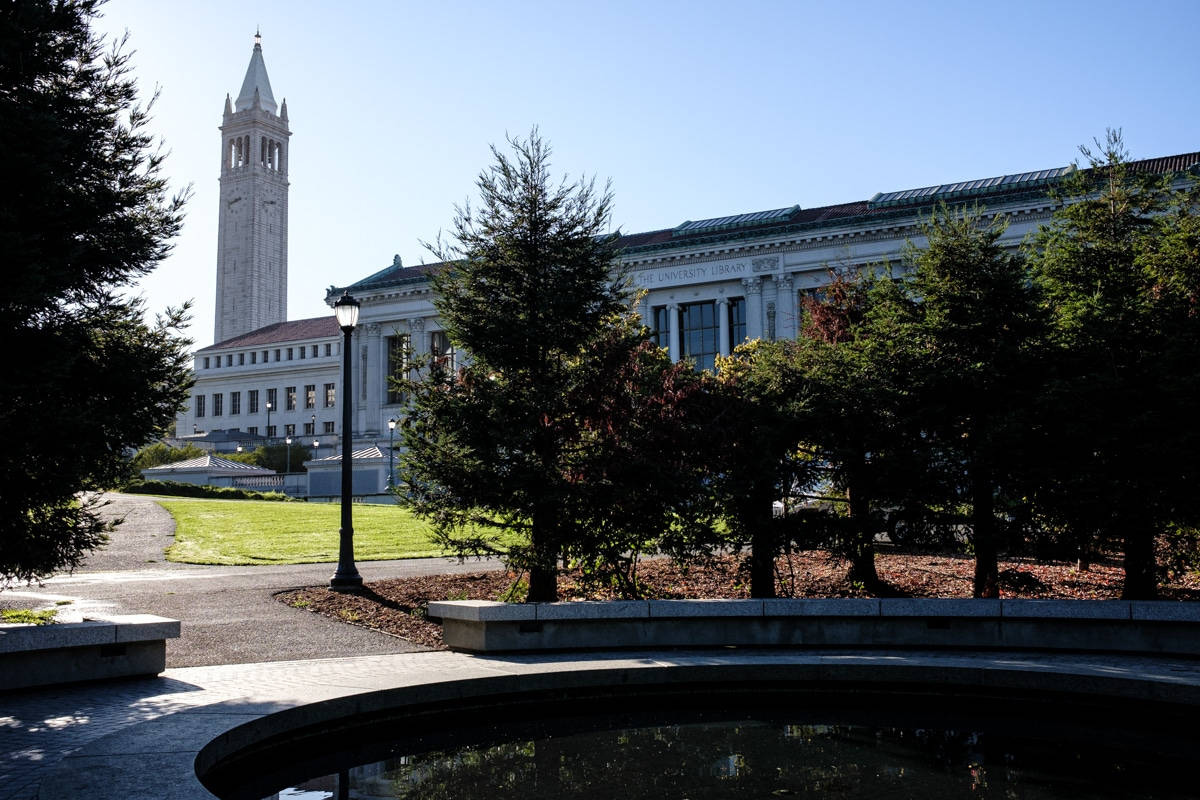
column 268, row 421
column 346, row 578
column 288, row 442
column 391, row 453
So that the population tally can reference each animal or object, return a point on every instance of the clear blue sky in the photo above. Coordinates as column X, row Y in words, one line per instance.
column 693, row 109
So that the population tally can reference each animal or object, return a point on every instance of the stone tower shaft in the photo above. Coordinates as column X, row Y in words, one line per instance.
column 252, row 225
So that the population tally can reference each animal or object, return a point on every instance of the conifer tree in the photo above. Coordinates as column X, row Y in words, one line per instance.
column 975, row 327
column 1117, row 271
column 558, row 438
column 84, row 212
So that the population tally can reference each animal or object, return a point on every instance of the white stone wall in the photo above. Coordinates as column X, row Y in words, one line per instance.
column 273, row 375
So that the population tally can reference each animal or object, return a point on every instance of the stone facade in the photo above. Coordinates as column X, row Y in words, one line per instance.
column 703, row 286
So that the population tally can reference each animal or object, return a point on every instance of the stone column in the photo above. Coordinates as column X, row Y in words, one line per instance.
column 418, row 339
column 673, row 319
column 373, row 386
column 723, row 325
column 785, row 307
column 754, row 308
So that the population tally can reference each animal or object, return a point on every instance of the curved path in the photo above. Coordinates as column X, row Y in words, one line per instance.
column 229, row 615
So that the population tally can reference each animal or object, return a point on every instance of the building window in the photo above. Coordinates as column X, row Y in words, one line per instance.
column 199, row 406
column 289, row 430
column 252, row 399
column 266, row 356
column 271, row 431
column 330, row 396
column 229, row 359
column 235, row 403
column 441, row 349
column 698, row 329
column 206, row 362
column 241, row 359
column 289, row 354
column 252, row 431
column 310, row 396
column 272, row 403
column 277, row 358
column 737, row 322
column 310, row 428
column 328, row 426
column 397, row 366
column 314, row 351
column 290, row 392
column 253, row 356
column 328, row 349
column 661, row 327
column 218, row 402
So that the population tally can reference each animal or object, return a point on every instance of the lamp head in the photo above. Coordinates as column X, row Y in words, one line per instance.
column 392, row 424
column 346, row 311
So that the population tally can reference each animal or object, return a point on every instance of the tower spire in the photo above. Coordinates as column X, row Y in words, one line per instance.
column 256, row 78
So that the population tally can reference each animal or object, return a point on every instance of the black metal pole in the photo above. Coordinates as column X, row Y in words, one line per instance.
column 346, row 579
column 391, row 451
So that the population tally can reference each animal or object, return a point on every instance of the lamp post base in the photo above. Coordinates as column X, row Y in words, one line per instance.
column 346, row 583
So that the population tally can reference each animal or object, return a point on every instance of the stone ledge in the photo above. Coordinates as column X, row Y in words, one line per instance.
column 1070, row 625
column 103, row 647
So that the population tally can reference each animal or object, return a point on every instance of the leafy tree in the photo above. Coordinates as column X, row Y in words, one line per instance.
column 1117, row 271
column 974, row 324
column 854, row 360
column 161, row 453
column 533, row 449
column 276, row 457
column 640, row 453
column 757, row 459
column 84, row 212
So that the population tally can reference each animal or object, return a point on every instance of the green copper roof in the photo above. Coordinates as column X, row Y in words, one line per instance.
column 732, row 222
column 948, row 191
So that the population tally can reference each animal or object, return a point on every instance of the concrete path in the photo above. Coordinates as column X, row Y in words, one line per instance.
column 229, row 615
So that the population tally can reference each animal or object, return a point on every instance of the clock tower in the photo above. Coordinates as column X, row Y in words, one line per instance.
column 253, row 216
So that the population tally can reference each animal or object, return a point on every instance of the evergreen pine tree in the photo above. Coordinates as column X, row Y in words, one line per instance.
column 84, row 212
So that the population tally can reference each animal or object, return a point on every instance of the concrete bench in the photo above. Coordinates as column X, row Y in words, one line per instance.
column 1078, row 625
column 106, row 647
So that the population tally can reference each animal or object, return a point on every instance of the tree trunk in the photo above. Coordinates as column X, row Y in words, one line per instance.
column 757, row 514
column 862, row 548
column 543, row 566
column 983, row 518
column 1141, row 580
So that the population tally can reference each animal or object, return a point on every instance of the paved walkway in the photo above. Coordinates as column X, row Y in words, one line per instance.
column 229, row 615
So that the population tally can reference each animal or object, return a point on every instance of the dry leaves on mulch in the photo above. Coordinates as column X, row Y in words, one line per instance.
column 398, row 607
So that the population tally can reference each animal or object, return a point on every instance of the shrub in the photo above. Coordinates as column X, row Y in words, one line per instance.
column 176, row 489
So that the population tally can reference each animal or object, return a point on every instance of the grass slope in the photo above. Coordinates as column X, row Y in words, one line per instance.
column 251, row 532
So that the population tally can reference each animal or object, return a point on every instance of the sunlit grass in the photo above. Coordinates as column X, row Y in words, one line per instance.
column 26, row 616
column 248, row 532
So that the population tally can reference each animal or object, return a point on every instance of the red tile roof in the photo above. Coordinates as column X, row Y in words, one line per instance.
column 315, row 328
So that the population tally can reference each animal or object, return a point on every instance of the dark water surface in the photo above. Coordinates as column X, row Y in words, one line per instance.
column 768, row 754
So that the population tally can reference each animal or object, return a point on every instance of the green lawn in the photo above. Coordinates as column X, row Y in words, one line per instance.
column 241, row 532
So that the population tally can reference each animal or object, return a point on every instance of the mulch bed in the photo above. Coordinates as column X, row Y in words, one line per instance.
column 398, row 607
